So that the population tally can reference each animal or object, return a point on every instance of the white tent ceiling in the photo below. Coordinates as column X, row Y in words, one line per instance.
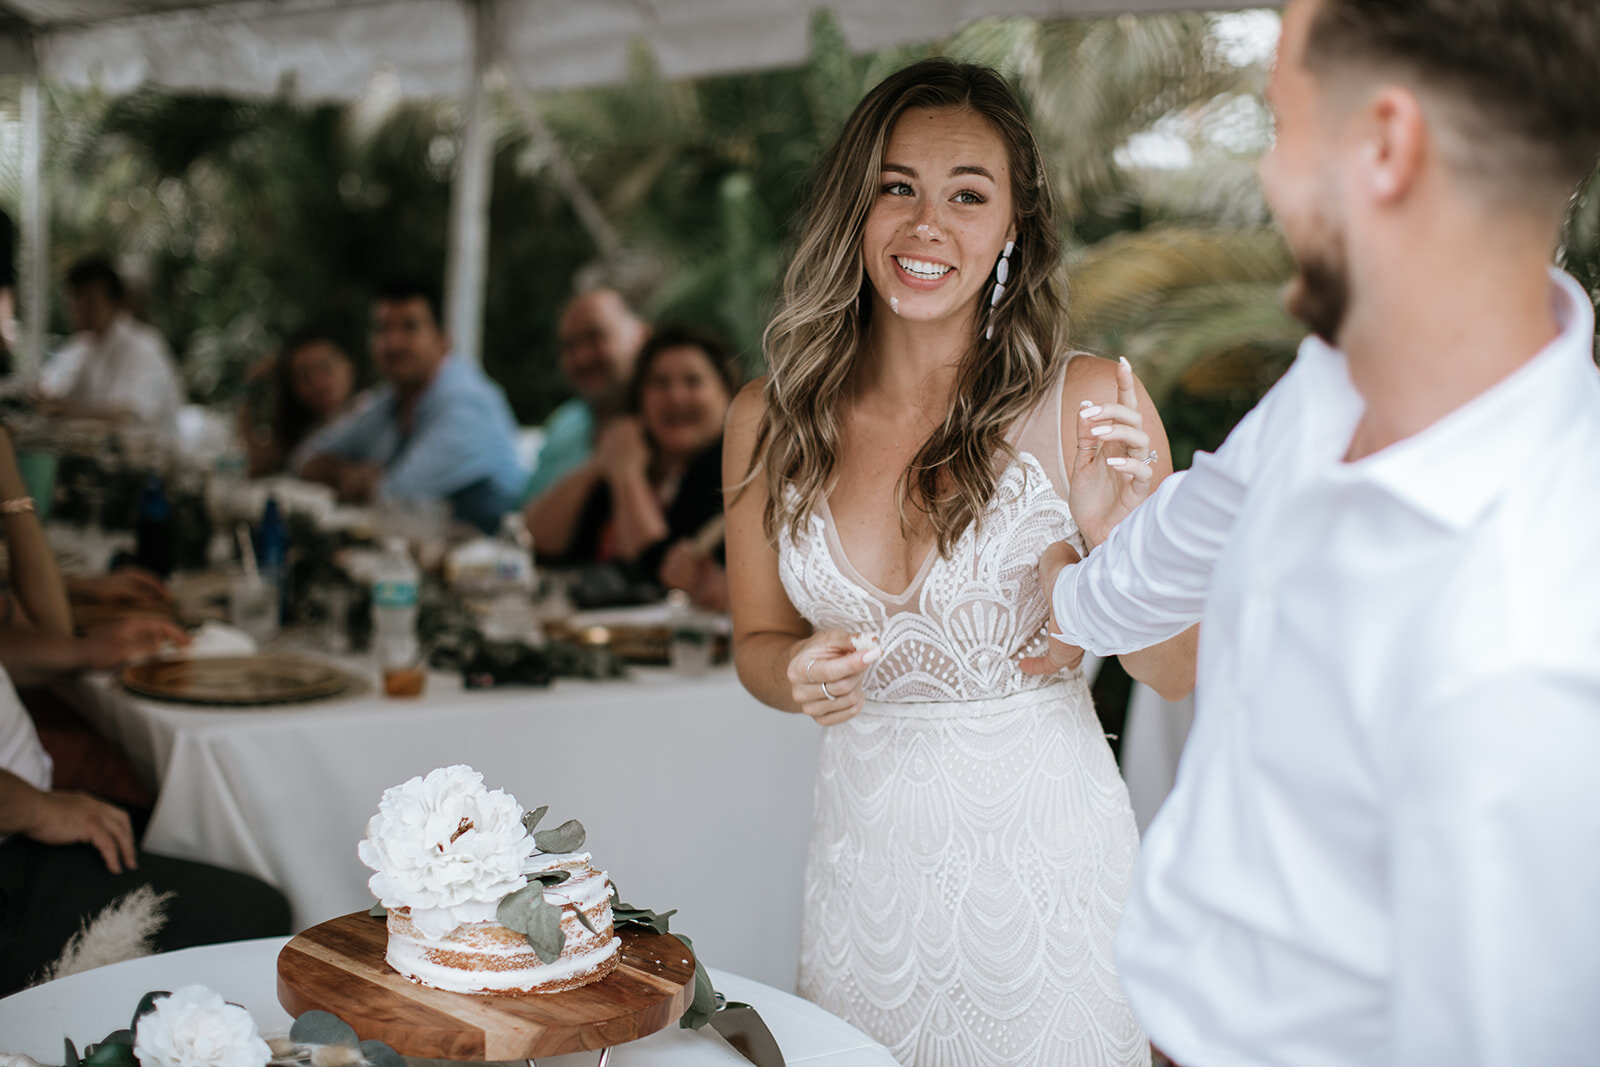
column 329, row 49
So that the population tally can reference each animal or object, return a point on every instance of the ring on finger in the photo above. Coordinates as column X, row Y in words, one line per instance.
column 1150, row 460
column 825, row 692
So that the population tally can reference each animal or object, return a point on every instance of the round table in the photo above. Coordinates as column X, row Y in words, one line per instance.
column 86, row 1007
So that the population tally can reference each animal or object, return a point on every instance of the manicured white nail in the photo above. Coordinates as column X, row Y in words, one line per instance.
column 872, row 655
column 1101, row 431
column 1086, row 404
column 1089, row 412
column 1124, row 361
column 1116, row 462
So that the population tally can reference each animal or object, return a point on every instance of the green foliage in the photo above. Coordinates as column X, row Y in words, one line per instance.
column 323, row 1028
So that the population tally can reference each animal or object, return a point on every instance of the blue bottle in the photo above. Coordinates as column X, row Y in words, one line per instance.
column 272, row 551
column 153, row 529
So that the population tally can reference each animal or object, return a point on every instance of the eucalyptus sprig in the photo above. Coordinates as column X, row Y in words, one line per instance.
column 700, row 1010
column 526, row 910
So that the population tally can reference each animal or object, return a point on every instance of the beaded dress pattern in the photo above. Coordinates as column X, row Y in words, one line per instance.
column 972, row 842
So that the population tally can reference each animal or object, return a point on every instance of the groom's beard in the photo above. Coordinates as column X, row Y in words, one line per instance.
column 1319, row 296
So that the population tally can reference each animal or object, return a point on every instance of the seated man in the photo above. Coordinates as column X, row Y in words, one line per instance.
column 114, row 367
column 65, row 856
column 435, row 429
column 600, row 339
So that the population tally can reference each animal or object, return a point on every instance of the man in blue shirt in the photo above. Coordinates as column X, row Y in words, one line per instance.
column 600, row 338
column 436, row 429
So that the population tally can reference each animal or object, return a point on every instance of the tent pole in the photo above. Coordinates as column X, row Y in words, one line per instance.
column 35, row 302
column 469, row 196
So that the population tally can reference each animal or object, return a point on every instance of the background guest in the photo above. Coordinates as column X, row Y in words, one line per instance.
column 114, row 367
column 436, row 429
column 654, row 481
column 600, row 339
column 309, row 385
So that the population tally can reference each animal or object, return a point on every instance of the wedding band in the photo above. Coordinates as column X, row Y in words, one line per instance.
column 825, row 690
column 1150, row 460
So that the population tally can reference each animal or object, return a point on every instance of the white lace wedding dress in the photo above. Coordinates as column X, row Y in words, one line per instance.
column 972, row 842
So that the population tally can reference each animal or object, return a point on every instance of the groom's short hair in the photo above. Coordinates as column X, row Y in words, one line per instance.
column 1521, row 77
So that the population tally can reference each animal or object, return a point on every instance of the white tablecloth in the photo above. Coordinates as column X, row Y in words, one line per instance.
column 695, row 796
column 86, row 1007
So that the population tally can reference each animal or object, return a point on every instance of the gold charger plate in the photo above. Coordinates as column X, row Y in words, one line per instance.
column 236, row 680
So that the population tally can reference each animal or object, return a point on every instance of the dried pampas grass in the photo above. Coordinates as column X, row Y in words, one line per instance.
column 123, row 931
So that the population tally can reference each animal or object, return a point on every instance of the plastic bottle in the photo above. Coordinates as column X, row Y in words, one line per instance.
column 153, row 530
column 510, row 616
column 394, row 620
column 272, row 552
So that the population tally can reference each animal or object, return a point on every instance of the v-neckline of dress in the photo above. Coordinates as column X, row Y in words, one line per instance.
column 842, row 559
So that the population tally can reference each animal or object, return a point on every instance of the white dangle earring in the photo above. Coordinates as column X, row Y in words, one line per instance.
column 1002, row 271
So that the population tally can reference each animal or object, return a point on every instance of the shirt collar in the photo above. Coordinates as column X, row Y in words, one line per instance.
column 1461, row 464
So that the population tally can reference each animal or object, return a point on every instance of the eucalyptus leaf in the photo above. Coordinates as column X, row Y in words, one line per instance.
column 568, row 837
column 657, row 921
column 527, row 912
column 110, row 1054
column 531, row 819
column 147, row 1004
column 584, row 919
column 124, row 1037
column 323, row 1028
column 72, row 1053
column 378, row 911
column 377, row 1054
column 549, row 878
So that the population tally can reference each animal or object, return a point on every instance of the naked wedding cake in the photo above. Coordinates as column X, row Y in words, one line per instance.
column 479, row 900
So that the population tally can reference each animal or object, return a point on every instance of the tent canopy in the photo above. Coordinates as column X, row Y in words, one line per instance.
column 330, row 49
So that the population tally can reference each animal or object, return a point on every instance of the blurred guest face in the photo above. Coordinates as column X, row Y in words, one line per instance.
column 682, row 402
column 599, row 339
column 321, row 377
column 1299, row 176
column 407, row 344
column 91, row 307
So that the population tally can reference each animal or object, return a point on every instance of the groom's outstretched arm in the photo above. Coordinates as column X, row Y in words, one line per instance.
column 1148, row 581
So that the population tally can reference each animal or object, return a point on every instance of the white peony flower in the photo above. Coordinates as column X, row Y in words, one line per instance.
column 195, row 1027
column 447, row 848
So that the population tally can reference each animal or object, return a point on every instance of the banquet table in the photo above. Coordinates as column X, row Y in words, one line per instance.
column 86, row 1007
column 695, row 796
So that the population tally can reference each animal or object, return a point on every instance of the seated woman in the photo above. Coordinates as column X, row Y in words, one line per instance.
column 650, row 497
column 311, row 383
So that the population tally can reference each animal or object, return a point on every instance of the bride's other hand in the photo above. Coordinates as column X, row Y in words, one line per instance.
column 1114, row 467
column 825, row 674
column 1059, row 656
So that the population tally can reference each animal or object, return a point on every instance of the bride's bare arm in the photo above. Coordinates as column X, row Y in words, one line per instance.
column 1115, row 430
column 778, row 657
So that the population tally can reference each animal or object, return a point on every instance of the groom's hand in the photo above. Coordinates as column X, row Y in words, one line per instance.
column 1059, row 656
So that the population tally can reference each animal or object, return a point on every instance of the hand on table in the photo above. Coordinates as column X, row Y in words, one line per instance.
column 128, row 585
column 78, row 818
column 112, row 644
column 1059, row 656
column 1112, row 468
column 825, row 675
column 685, row 566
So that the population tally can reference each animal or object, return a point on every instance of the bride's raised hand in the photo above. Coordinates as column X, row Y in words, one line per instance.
column 1113, row 466
column 826, row 671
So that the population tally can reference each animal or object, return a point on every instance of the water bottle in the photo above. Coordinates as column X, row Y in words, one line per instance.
column 394, row 620
column 153, row 529
column 510, row 616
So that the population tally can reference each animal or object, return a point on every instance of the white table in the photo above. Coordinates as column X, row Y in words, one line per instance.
column 86, row 1007
column 695, row 796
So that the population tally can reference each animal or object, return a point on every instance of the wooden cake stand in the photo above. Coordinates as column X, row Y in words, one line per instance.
column 338, row 966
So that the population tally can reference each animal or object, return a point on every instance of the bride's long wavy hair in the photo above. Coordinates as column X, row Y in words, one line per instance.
column 819, row 332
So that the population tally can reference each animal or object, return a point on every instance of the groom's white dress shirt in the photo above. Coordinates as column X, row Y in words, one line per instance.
column 1383, row 845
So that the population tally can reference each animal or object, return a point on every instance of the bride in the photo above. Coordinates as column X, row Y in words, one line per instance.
column 891, row 486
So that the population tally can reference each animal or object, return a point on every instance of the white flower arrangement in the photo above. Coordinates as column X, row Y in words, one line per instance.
column 446, row 848
column 194, row 1027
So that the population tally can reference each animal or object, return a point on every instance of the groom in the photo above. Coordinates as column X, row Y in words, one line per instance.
column 1384, row 842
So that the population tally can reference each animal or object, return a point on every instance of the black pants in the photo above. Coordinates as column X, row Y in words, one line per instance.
column 47, row 891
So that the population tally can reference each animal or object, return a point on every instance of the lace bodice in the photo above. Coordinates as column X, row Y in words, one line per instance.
column 957, row 631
